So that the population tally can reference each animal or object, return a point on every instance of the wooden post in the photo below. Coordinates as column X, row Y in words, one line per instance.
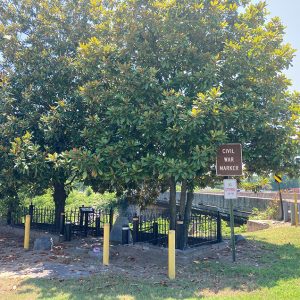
column 171, row 257
column 106, row 245
column 27, row 232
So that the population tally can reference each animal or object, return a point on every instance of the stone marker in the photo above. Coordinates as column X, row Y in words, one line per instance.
column 116, row 232
column 239, row 238
column 43, row 243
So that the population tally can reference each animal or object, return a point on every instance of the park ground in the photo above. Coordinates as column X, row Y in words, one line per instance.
column 267, row 267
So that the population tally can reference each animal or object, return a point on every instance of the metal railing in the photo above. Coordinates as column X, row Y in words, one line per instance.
column 84, row 220
column 154, row 227
column 150, row 226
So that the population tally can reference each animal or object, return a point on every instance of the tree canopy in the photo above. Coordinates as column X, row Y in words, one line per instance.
column 42, row 111
column 134, row 96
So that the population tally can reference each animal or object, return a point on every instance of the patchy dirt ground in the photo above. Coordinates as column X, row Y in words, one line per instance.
column 75, row 259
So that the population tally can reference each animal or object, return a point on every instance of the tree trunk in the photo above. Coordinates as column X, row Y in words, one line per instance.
column 13, row 203
column 172, row 203
column 182, row 198
column 187, row 214
column 59, row 197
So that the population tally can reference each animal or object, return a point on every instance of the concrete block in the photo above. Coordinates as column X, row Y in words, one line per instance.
column 255, row 225
column 286, row 216
column 293, row 219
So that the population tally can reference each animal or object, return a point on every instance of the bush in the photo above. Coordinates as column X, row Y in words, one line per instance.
column 45, row 200
column 271, row 213
column 75, row 199
column 88, row 191
column 255, row 185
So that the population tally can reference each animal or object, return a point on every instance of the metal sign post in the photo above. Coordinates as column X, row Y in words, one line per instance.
column 278, row 179
column 232, row 237
column 230, row 193
column 229, row 163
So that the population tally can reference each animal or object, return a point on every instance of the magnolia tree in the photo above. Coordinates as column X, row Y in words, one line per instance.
column 142, row 100
column 169, row 81
column 42, row 112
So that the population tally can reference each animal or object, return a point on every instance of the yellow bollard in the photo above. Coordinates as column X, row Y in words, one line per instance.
column 296, row 210
column 171, row 258
column 106, row 245
column 27, row 232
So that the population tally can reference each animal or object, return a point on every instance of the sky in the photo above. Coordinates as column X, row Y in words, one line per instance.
column 289, row 13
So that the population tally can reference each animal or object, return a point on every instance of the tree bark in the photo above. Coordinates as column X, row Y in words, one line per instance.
column 13, row 203
column 182, row 198
column 172, row 203
column 59, row 197
column 187, row 214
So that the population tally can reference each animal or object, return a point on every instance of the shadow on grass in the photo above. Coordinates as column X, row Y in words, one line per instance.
column 259, row 265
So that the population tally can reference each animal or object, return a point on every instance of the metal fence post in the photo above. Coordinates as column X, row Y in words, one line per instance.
column 86, row 223
column 31, row 208
column 219, row 228
column 135, row 229
column 68, row 231
column 111, row 218
column 81, row 218
column 179, row 235
column 155, row 233
column 125, row 232
column 98, row 226
column 62, row 223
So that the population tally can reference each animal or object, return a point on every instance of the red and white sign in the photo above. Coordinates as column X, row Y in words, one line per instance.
column 230, row 189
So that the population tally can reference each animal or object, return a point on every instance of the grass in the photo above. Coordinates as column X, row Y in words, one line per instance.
column 268, row 268
column 238, row 229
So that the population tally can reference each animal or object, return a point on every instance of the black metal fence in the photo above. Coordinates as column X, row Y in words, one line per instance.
column 84, row 220
column 150, row 226
column 204, row 228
